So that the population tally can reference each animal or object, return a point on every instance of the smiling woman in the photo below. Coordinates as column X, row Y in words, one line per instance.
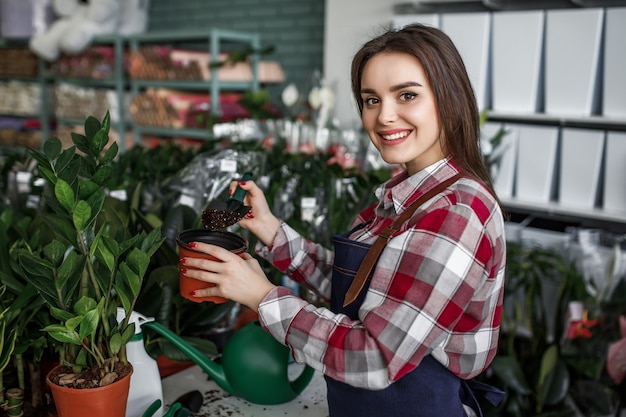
column 415, row 286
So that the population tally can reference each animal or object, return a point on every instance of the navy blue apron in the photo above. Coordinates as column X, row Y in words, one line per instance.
column 430, row 390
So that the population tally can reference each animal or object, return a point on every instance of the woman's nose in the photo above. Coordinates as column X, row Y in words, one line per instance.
column 388, row 113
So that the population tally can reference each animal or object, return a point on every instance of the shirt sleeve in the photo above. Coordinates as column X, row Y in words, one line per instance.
column 436, row 289
column 300, row 259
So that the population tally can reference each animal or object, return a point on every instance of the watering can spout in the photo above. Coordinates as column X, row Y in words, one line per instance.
column 214, row 370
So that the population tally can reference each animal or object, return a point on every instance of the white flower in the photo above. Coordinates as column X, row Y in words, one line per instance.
column 321, row 97
column 327, row 97
column 315, row 98
column 290, row 95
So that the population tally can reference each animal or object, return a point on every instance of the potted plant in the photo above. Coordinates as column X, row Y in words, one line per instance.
column 92, row 266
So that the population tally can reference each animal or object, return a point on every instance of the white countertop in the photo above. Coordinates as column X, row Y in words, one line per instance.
column 218, row 403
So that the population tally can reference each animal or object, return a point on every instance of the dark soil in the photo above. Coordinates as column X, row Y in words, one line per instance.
column 89, row 378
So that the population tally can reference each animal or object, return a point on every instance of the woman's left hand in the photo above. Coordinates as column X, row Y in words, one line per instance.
column 238, row 278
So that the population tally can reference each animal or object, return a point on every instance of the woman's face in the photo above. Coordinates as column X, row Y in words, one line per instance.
column 399, row 111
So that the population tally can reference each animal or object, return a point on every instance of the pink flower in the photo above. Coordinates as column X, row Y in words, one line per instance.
column 616, row 360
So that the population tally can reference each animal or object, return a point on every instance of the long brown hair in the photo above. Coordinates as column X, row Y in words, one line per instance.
column 447, row 76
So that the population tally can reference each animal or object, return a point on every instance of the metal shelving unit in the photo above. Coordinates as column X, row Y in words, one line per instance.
column 215, row 39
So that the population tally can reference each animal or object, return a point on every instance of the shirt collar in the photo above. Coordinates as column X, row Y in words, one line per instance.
column 401, row 190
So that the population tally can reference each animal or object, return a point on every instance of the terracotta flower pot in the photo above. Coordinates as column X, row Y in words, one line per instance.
column 169, row 367
column 107, row 401
column 227, row 240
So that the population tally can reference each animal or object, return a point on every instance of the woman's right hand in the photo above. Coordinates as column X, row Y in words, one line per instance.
column 259, row 219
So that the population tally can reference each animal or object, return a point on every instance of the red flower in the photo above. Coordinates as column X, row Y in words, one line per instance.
column 581, row 328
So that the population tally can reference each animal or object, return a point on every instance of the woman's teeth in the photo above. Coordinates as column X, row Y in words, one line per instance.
column 395, row 136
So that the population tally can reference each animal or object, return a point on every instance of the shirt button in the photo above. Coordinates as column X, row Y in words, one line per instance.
column 389, row 195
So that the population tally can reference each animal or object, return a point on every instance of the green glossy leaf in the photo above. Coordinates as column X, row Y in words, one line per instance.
column 54, row 251
column 104, row 255
column 100, row 140
column 65, row 195
column 60, row 314
column 138, row 261
column 37, row 268
column 47, row 174
column 65, row 159
column 81, row 215
column 92, row 126
column 86, row 189
column 96, row 201
column 52, row 148
column 102, row 175
column 81, row 142
column 84, row 305
column 54, row 328
column 110, row 153
column 70, row 270
column 123, row 297
column 128, row 333
column 89, row 323
column 73, row 322
column 132, row 280
column 81, row 358
column 115, row 343
column 66, row 336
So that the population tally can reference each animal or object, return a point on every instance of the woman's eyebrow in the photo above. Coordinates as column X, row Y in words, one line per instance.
column 393, row 88
column 405, row 85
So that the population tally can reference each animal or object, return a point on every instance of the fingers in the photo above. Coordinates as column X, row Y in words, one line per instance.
column 238, row 278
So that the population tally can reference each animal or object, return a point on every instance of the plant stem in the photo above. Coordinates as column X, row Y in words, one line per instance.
column 92, row 274
column 19, row 364
column 36, row 398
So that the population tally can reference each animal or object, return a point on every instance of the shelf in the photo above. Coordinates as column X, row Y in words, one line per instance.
column 592, row 122
column 190, row 85
column 177, row 36
column 174, row 132
column 554, row 209
column 85, row 82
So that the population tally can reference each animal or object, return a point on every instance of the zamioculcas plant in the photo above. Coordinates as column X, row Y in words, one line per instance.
column 93, row 265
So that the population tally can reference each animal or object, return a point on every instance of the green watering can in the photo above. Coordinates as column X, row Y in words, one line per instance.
column 253, row 366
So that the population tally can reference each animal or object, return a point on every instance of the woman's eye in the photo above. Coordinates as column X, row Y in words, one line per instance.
column 370, row 101
column 407, row 96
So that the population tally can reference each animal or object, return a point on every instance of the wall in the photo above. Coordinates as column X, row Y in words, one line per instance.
column 294, row 28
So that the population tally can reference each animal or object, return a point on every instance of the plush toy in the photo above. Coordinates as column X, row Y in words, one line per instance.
column 80, row 21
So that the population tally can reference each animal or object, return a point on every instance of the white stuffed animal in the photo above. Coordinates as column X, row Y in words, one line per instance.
column 79, row 22
column 101, row 17
column 47, row 44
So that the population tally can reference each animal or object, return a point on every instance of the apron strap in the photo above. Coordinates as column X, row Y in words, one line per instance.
column 383, row 237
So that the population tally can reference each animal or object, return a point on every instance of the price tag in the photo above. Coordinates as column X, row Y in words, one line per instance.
column 308, row 207
column 23, row 181
column 228, row 165
column 187, row 200
column 119, row 194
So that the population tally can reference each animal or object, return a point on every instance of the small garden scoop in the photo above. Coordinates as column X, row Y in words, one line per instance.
column 221, row 214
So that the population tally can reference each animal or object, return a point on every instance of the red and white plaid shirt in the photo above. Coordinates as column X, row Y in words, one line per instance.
column 437, row 288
